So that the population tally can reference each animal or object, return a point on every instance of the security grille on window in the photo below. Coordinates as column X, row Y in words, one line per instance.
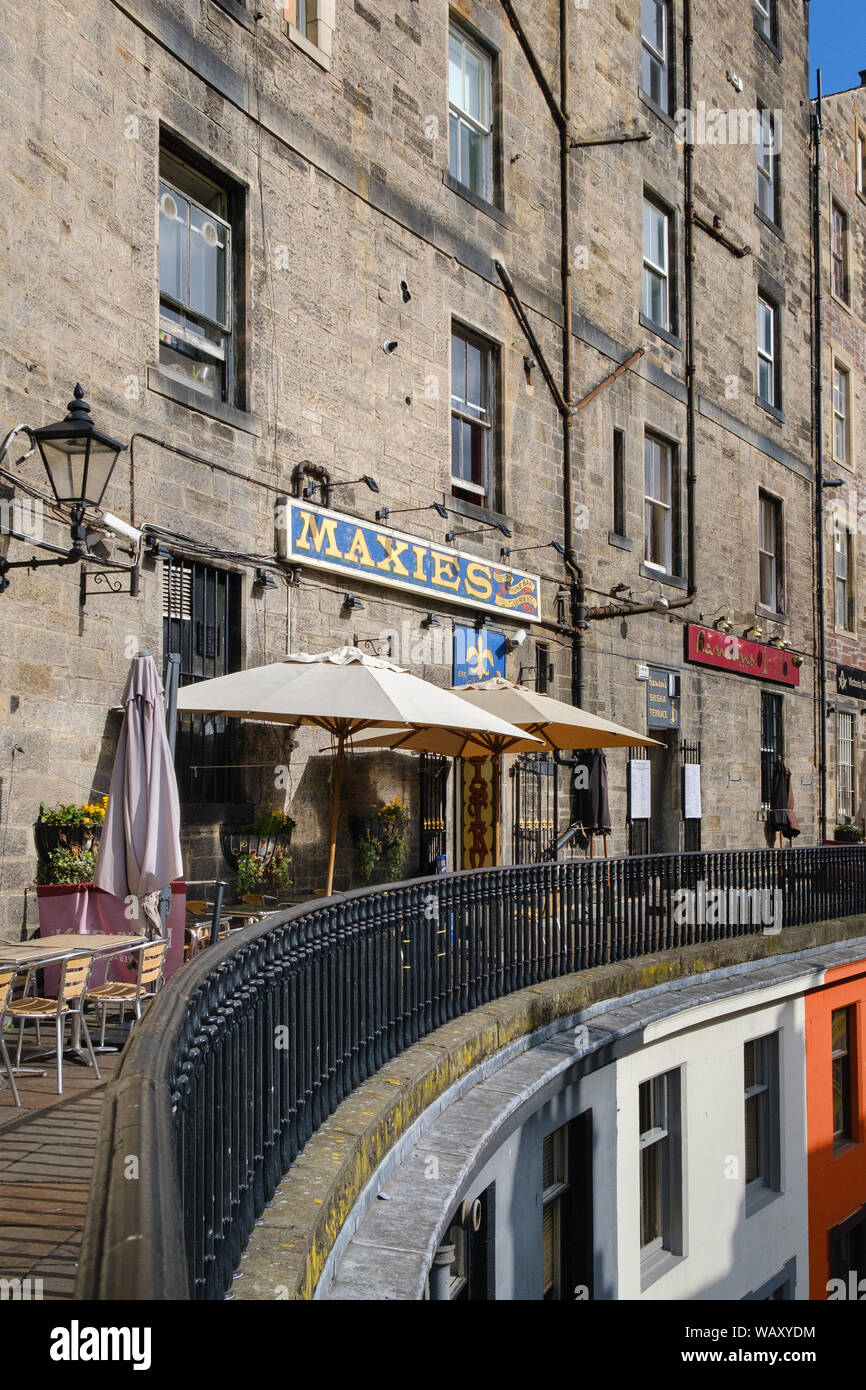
column 470, row 116
column 471, row 423
column 655, row 78
column 841, row 385
column 767, row 182
column 761, row 1087
column 841, row 1058
column 660, row 1179
column 772, row 742
column 840, row 253
column 844, row 765
column 770, row 553
column 656, row 265
column 194, row 280
column 658, row 504
column 201, row 622
column 844, row 574
column 767, row 381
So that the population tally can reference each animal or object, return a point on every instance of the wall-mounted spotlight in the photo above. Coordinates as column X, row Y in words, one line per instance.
column 778, row 641
column 351, row 482
column 390, row 345
column 619, row 589
column 500, row 526
column 405, row 291
column 831, row 709
column 724, row 625
column 430, row 621
column 541, row 545
column 263, row 580
column 351, row 603
column 516, row 640
column 755, row 633
column 155, row 550
column 384, row 512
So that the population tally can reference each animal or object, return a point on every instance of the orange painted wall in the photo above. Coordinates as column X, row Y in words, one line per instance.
column 837, row 1183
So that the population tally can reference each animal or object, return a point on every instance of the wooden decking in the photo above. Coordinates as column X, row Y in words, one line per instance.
column 46, row 1163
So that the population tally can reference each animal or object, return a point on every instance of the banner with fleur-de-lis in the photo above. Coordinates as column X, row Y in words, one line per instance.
column 478, row 654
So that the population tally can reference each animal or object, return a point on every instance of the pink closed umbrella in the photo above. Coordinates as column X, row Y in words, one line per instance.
column 139, row 852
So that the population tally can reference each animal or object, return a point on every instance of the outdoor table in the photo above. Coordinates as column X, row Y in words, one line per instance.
column 30, row 955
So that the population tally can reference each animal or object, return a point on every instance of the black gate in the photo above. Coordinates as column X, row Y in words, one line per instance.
column 434, row 787
column 534, row 806
column 200, row 620
column 691, row 753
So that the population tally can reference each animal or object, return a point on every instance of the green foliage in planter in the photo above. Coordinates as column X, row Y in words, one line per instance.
column 90, row 813
column 395, row 858
column 848, row 832
column 267, row 824
column 69, row 864
column 369, row 850
column 254, row 876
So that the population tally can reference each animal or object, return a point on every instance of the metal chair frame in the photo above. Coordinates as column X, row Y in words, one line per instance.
column 69, row 1004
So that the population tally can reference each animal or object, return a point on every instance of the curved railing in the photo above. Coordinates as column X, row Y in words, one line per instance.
column 250, row 1047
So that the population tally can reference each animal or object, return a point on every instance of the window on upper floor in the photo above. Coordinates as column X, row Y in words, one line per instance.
column 843, row 569
column 768, row 357
column 839, row 251
column 771, row 553
column 772, row 742
column 841, row 413
column 655, row 46
column 311, row 25
column 198, row 315
column 657, row 302
column 470, row 114
column 661, row 503
column 768, row 167
column 860, row 160
column 767, row 21
column 474, row 366
column 761, row 1087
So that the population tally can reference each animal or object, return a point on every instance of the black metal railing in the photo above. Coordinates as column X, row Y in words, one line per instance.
column 247, row 1050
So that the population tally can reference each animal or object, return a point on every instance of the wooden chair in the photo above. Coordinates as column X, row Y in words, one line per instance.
column 7, row 978
column 69, row 1004
column 117, row 995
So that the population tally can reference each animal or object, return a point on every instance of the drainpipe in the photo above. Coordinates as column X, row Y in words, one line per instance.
column 817, row 127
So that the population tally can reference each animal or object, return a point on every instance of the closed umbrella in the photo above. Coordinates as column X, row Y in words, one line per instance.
column 139, row 852
column 781, row 813
column 343, row 692
column 593, row 807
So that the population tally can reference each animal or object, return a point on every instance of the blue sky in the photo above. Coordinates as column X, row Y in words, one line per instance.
column 838, row 41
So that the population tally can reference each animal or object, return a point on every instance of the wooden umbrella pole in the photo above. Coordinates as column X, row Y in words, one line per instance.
column 497, row 809
column 335, row 813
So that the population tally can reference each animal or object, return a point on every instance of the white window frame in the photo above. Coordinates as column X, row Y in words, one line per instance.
column 482, row 126
column 311, row 26
column 657, row 59
column 764, row 20
column 764, row 1090
column 653, row 505
column 551, row 1201
column 481, row 417
column 766, row 306
column 770, row 507
column 768, row 191
column 860, row 160
column 844, row 765
column 845, row 258
column 653, row 269
column 841, row 413
column 666, row 1136
column 843, row 586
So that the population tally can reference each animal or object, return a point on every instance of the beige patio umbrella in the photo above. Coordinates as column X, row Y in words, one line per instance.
column 343, row 692
column 556, row 724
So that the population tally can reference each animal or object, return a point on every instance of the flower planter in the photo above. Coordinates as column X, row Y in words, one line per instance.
column 237, row 842
column 49, row 837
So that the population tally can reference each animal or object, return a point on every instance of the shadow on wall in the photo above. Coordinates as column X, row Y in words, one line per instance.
column 369, row 779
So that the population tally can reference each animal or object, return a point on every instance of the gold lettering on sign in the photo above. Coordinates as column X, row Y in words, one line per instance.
column 443, row 571
column 319, row 530
column 359, row 552
column 393, row 550
column 478, row 583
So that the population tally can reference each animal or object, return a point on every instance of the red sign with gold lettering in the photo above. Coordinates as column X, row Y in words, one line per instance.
column 709, row 647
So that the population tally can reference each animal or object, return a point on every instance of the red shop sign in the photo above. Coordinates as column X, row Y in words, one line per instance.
column 709, row 647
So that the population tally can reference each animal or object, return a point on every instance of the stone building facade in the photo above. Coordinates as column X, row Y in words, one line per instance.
column 274, row 246
column 843, row 380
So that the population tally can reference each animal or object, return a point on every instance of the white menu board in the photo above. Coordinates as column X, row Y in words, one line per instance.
column 641, row 799
column 692, row 792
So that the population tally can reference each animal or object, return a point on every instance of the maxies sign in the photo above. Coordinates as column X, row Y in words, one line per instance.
column 708, row 647
column 357, row 549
